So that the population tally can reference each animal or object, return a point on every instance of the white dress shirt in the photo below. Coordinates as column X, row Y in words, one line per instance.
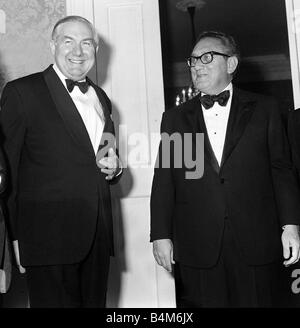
column 89, row 108
column 216, row 119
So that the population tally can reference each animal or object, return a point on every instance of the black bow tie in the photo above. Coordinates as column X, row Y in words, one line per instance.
column 83, row 86
column 208, row 100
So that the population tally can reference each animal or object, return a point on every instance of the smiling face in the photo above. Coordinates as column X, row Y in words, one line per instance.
column 74, row 49
column 212, row 78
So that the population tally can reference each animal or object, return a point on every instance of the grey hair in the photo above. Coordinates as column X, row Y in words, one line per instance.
column 75, row 19
column 226, row 39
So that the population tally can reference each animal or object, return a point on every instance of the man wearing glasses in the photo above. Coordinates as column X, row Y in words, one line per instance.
column 222, row 231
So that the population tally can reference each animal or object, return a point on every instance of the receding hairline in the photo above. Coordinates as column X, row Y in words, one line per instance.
column 70, row 19
column 226, row 40
column 211, row 38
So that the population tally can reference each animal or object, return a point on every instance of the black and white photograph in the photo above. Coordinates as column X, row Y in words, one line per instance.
column 149, row 157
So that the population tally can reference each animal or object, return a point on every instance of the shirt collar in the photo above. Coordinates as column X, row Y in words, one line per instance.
column 228, row 87
column 61, row 76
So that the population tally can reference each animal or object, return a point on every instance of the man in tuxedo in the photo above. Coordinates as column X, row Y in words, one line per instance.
column 55, row 124
column 222, row 230
column 294, row 137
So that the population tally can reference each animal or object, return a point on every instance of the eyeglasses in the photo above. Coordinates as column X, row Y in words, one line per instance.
column 205, row 58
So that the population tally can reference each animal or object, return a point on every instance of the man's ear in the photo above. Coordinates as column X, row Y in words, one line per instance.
column 232, row 63
column 52, row 47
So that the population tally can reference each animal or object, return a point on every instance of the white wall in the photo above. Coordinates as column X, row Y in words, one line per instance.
column 293, row 21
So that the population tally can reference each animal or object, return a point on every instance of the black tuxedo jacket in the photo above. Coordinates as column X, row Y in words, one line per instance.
column 255, row 186
column 57, row 191
column 294, row 138
column 4, row 254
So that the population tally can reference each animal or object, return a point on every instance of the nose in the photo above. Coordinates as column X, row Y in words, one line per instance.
column 77, row 49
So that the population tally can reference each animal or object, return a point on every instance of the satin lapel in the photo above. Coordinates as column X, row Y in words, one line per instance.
column 67, row 110
column 108, row 124
column 195, row 119
column 108, row 127
column 240, row 114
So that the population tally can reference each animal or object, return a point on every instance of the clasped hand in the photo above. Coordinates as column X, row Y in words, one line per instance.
column 109, row 164
column 291, row 244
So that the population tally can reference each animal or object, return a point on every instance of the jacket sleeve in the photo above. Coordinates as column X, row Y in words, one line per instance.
column 162, row 200
column 285, row 182
column 12, row 125
column 294, row 138
column 3, row 172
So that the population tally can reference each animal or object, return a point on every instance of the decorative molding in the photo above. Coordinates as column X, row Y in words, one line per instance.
column 82, row 8
column 126, row 30
column 293, row 24
column 252, row 69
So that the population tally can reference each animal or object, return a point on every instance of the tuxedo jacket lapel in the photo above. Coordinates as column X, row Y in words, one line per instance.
column 108, row 126
column 108, row 135
column 67, row 110
column 195, row 119
column 240, row 114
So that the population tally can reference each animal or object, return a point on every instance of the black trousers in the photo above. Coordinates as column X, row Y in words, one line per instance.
column 76, row 285
column 230, row 283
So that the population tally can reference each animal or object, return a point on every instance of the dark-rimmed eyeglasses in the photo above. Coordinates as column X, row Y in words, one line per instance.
column 205, row 58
